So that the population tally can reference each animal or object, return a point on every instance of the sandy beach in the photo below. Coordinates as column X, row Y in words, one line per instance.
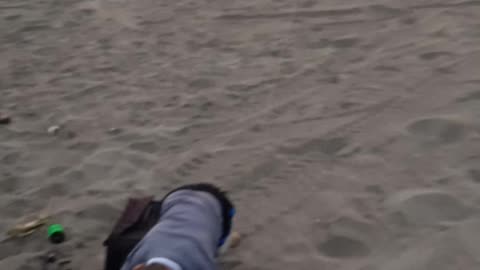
column 346, row 132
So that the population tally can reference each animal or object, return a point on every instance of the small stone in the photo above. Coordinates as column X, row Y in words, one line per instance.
column 51, row 257
column 64, row 261
column 53, row 130
column 5, row 119
column 114, row 131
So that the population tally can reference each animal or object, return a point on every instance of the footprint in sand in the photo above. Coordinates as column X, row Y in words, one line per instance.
column 457, row 248
column 201, row 84
column 473, row 96
column 16, row 206
column 474, row 175
column 326, row 146
column 344, row 42
column 339, row 246
column 148, row 147
column 425, row 207
column 99, row 212
column 346, row 237
column 434, row 55
column 9, row 184
column 437, row 130
column 11, row 158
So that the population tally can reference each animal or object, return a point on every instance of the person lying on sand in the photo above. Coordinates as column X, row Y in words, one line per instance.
column 194, row 223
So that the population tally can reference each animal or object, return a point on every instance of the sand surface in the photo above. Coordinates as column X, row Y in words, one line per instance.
column 347, row 132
